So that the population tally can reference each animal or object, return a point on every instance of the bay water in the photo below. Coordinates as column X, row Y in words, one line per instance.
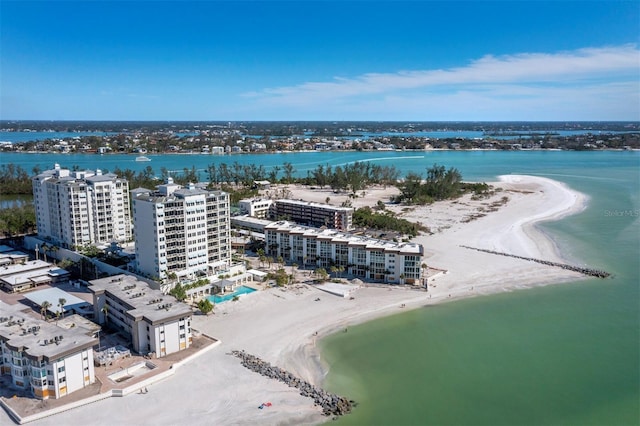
column 561, row 354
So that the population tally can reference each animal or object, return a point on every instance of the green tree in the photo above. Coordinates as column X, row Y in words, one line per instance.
column 205, row 306
column 44, row 307
column 321, row 274
column 273, row 174
column 179, row 292
column 289, row 170
column 61, row 302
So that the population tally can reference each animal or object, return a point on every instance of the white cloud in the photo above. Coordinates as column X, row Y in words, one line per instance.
column 575, row 84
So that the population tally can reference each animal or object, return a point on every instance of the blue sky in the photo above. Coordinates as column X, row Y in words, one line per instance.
column 320, row 60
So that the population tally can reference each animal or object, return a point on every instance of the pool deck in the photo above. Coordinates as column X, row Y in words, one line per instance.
column 229, row 296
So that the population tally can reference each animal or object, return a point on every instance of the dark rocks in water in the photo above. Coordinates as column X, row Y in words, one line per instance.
column 332, row 405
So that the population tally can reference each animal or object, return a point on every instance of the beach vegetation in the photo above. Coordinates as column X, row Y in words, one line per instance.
column 365, row 217
column 321, row 274
column 280, row 277
column 205, row 306
column 440, row 184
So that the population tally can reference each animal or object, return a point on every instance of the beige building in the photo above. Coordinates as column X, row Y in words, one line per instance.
column 51, row 360
column 156, row 323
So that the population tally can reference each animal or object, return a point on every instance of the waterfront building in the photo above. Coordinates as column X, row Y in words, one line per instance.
column 360, row 256
column 255, row 207
column 182, row 231
column 76, row 208
column 313, row 214
column 52, row 360
column 156, row 323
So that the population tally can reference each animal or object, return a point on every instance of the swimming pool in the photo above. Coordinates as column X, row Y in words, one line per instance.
column 239, row 291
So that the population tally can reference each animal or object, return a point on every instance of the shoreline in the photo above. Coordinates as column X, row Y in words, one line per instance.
column 284, row 326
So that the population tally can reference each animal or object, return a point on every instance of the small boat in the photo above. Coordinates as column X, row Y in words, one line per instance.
column 143, row 158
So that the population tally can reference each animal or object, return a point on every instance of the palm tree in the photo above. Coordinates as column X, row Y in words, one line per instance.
column 53, row 250
column 44, row 307
column 334, row 269
column 425, row 272
column 44, row 247
column 61, row 302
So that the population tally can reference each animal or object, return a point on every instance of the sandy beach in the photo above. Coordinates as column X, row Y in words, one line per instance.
column 283, row 325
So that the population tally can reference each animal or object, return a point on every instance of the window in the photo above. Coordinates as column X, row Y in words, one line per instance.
column 62, row 380
column 60, row 369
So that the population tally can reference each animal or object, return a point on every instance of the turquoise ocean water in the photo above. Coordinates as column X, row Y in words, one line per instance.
column 559, row 355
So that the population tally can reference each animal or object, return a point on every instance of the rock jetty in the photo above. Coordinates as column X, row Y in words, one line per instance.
column 332, row 405
column 585, row 271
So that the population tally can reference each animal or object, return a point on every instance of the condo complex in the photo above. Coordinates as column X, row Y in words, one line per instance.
column 182, row 234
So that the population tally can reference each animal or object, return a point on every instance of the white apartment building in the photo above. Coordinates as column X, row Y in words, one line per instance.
column 363, row 257
column 255, row 207
column 179, row 230
column 156, row 323
column 50, row 360
column 75, row 208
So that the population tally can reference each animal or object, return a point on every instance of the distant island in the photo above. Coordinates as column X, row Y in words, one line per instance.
column 234, row 137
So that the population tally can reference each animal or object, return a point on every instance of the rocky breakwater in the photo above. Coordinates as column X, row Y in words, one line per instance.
column 332, row 405
column 585, row 271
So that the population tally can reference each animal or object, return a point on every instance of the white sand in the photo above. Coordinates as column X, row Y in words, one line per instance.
column 280, row 325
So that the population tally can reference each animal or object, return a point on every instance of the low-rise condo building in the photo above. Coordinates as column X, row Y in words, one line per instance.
column 21, row 277
column 360, row 256
column 156, row 323
column 50, row 360
column 75, row 208
column 313, row 214
column 178, row 230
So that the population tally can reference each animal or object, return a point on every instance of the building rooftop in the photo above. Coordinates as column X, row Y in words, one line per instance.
column 170, row 192
column 31, row 271
column 143, row 301
column 314, row 204
column 350, row 239
column 249, row 220
column 21, row 331
column 53, row 295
